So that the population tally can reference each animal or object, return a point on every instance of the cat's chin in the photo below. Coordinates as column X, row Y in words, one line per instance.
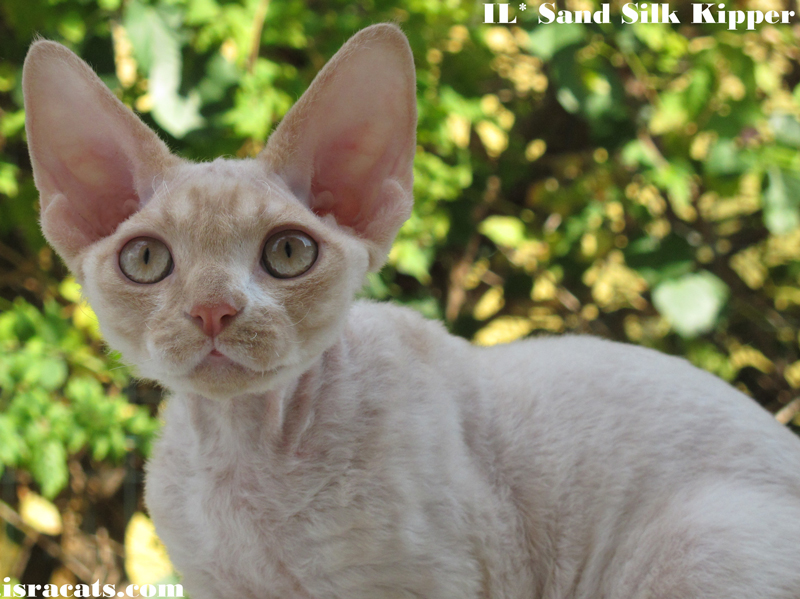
column 218, row 377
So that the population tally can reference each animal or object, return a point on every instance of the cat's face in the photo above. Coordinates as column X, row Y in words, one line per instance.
column 227, row 277
column 217, row 221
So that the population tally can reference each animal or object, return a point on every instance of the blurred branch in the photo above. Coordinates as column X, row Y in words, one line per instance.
column 258, row 27
column 641, row 75
column 11, row 255
column 50, row 547
column 787, row 413
column 646, row 139
column 456, row 294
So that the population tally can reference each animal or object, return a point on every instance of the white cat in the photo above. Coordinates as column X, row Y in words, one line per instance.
column 317, row 447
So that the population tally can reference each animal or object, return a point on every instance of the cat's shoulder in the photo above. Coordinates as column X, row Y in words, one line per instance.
column 578, row 348
column 605, row 362
column 386, row 324
column 372, row 314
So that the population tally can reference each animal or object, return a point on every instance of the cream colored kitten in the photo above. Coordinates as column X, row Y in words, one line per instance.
column 317, row 447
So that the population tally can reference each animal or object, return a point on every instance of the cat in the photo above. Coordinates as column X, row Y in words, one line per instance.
column 319, row 447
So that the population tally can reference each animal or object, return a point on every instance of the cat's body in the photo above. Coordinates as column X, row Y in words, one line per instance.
column 316, row 448
column 541, row 470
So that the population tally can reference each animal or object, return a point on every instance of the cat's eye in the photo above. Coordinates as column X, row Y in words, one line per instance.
column 289, row 254
column 145, row 260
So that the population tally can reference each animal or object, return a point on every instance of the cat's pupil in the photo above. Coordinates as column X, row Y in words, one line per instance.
column 147, row 255
column 288, row 249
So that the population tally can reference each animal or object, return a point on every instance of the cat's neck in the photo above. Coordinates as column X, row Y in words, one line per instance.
column 276, row 419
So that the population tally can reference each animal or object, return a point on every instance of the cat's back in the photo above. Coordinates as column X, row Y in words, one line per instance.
column 400, row 343
column 585, row 385
column 623, row 458
column 577, row 391
column 602, row 403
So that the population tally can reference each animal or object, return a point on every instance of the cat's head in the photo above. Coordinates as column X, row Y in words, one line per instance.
column 226, row 277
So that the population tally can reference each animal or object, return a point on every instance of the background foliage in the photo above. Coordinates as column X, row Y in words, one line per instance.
column 638, row 182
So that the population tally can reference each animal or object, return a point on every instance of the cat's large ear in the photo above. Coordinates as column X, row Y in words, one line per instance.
column 347, row 147
column 94, row 162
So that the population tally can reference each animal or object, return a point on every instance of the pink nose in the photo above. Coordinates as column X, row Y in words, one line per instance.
column 212, row 319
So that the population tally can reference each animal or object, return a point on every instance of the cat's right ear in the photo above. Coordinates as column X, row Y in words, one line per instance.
column 346, row 148
column 94, row 162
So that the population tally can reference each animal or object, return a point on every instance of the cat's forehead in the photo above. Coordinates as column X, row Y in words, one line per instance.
column 222, row 199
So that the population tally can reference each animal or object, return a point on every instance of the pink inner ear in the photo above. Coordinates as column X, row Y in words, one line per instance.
column 93, row 160
column 344, row 180
column 100, row 189
column 350, row 169
column 347, row 146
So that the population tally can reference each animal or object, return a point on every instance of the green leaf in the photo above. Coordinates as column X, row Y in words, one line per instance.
column 699, row 90
column 101, row 447
column 409, row 258
column 258, row 103
column 692, row 303
column 8, row 179
column 49, row 467
column 158, row 48
column 723, row 159
column 546, row 40
column 676, row 178
column 220, row 75
column 505, row 231
column 786, row 129
column 670, row 114
column 781, row 199
column 10, row 442
column 53, row 373
column 658, row 260
column 708, row 357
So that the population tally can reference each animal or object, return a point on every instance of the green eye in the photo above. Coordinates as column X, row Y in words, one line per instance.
column 145, row 260
column 289, row 254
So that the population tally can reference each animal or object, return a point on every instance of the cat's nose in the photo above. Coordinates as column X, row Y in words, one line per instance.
column 212, row 319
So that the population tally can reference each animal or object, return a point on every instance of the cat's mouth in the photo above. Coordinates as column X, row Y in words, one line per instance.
column 216, row 358
column 221, row 369
column 220, row 376
column 221, row 361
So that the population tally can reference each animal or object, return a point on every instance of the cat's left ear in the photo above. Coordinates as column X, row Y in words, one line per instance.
column 347, row 147
column 94, row 162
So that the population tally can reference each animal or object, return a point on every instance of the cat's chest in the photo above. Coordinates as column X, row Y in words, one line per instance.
column 326, row 519
column 242, row 530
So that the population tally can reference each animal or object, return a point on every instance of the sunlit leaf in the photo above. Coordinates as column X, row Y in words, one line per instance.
column 545, row 41
column 782, row 202
column 40, row 514
column 786, row 129
column 49, row 467
column 146, row 559
column 503, row 329
column 670, row 114
column 409, row 258
column 692, row 303
column 158, row 49
column 506, row 231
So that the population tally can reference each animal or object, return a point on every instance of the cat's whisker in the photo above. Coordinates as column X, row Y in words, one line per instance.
column 294, row 324
column 266, row 183
column 125, row 365
column 165, row 187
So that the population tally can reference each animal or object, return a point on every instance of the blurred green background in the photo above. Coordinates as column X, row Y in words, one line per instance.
column 637, row 182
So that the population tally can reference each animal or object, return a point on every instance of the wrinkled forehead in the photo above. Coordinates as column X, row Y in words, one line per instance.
column 222, row 201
